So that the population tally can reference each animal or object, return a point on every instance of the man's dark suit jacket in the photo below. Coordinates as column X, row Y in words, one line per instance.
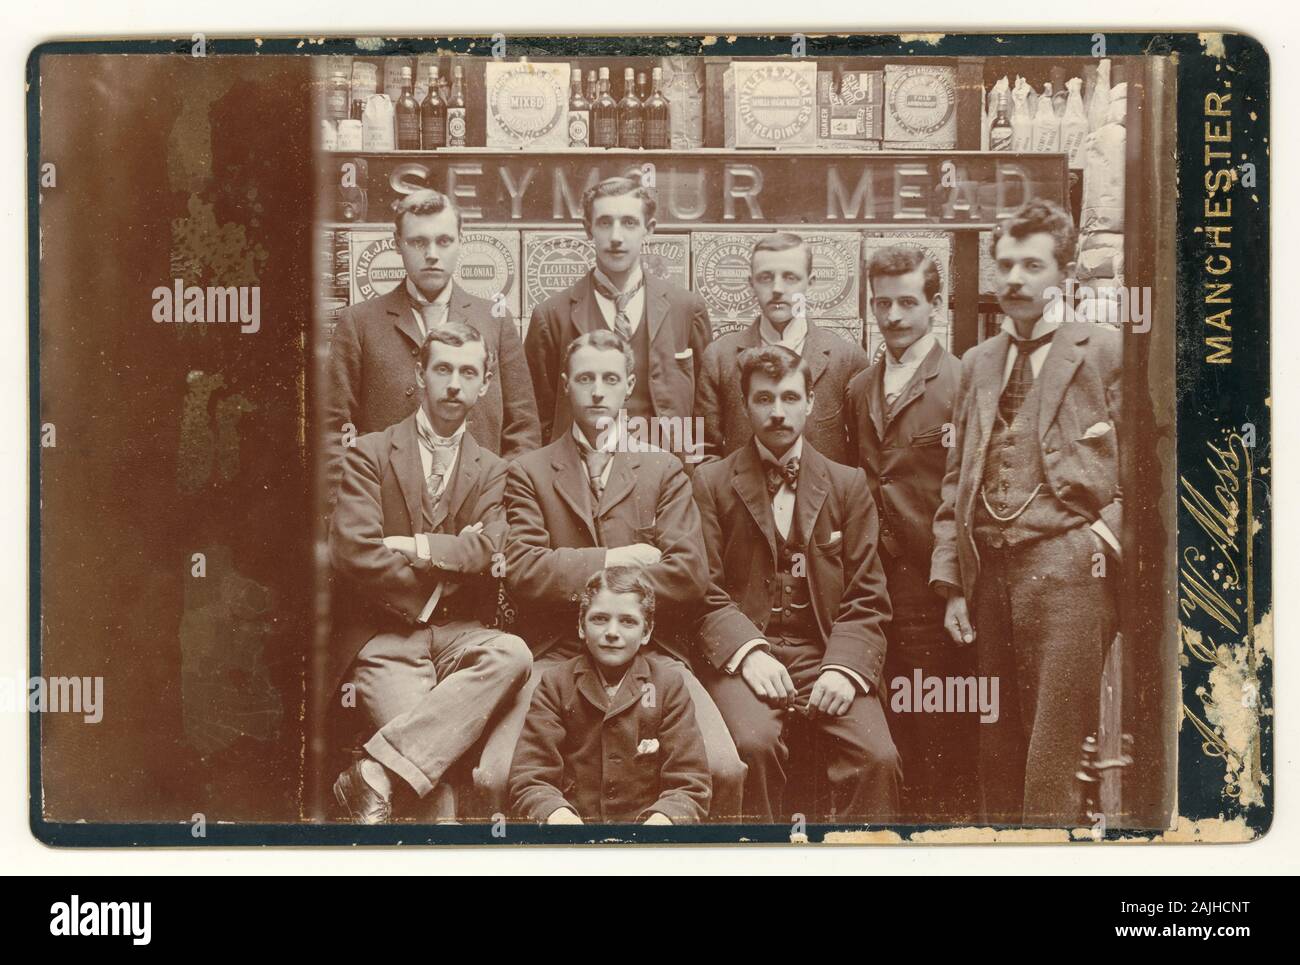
column 902, row 450
column 679, row 331
column 379, row 590
column 611, row 761
column 835, row 512
column 374, row 357
column 557, row 542
column 1077, row 425
column 720, row 403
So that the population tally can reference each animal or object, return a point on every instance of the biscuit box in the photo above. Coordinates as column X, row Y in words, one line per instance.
column 770, row 104
column 552, row 260
column 527, row 105
column 489, row 266
column 920, row 107
column 856, row 111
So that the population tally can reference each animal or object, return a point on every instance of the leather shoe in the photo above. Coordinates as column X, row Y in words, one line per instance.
column 363, row 804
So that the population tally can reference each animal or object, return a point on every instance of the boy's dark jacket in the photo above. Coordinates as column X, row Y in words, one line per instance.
column 642, row 754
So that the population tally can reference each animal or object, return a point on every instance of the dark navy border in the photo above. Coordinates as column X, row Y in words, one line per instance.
column 1246, row 381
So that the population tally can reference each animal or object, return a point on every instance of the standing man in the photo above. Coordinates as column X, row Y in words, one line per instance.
column 900, row 425
column 418, row 529
column 796, row 605
column 780, row 270
column 666, row 327
column 1029, row 522
column 593, row 499
column 372, row 370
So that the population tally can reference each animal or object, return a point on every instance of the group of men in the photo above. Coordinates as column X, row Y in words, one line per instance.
column 842, row 527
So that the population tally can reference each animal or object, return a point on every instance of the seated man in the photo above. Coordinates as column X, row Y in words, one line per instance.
column 418, row 523
column 610, row 736
column 796, row 606
column 596, row 498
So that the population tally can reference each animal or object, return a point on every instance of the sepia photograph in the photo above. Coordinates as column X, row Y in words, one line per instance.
column 676, row 438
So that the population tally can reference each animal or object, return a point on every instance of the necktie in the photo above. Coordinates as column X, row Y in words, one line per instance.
column 433, row 313
column 622, row 324
column 775, row 476
column 444, row 454
column 442, row 459
column 1022, row 376
column 596, row 460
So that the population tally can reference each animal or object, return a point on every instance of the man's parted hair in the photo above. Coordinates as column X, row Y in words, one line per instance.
column 427, row 201
column 775, row 362
column 1040, row 217
column 455, row 334
column 903, row 260
column 782, row 241
column 604, row 339
column 613, row 187
column 620, row 579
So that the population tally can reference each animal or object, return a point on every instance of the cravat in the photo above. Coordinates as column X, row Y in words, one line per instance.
column 1022, row 376
column 596, row 460
column 433, row 313
column 622, row 324
column 775, row 476
column 444, row 454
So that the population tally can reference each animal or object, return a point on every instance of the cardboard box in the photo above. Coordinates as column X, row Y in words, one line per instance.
column 552, row 260
column 375, row 263
column 770, row 104
column 527, row 105
column 720, row 275
column 837, row 256
column 668, row 256
column 856, row 111
column 920, row 107
column 489, row 266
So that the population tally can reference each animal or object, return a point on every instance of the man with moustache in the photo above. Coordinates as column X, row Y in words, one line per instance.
column 595, row 498
column 417, row 530
column 1027, row 530
column 792, row 634
column 371, row 378
column 666, row 327
column 780, row 271
column 900, row 424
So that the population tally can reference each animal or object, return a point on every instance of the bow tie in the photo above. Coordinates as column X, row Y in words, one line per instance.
column 775, row 476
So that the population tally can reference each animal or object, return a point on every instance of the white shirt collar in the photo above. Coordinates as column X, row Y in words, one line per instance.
column 632, row 279
column 796, row 332
column 794, row 452
column 1051, row 320
column 609, row 438
column 913, row 354
column 454, row 439
column 444, row 296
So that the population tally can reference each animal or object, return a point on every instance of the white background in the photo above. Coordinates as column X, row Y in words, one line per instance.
column 1271, row 22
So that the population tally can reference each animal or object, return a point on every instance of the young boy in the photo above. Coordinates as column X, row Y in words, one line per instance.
column 610, row 736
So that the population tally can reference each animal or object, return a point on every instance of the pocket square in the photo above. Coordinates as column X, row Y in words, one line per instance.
column 648, row 746
column 836, row 536
column 684, row 355
column 1097, row 429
